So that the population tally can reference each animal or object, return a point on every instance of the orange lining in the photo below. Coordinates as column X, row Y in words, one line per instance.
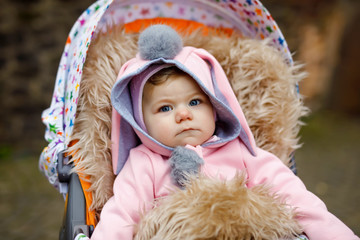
column 178, row 24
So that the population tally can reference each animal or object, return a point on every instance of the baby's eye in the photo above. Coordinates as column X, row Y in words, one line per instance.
column 165, row 109
column 194, row 102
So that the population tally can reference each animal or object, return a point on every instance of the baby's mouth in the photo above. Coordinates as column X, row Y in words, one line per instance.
column 186, row 130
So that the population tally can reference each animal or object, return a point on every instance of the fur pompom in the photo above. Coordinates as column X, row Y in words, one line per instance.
column 184, row 162
column 159, row 41
column 215, row 209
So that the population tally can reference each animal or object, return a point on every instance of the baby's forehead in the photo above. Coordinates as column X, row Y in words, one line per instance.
column 170, row 83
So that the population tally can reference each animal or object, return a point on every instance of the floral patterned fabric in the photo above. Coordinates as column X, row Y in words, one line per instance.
column 59, row 118
column 249, row 17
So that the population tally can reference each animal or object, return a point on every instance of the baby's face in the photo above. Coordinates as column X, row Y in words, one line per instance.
column 177, row 112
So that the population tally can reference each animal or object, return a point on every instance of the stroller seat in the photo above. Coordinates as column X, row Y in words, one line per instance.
column 258, row 65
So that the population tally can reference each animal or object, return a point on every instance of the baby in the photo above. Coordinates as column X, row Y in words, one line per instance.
column 170, row 96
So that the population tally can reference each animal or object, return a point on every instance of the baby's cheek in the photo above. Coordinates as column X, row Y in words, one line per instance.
column 163, row 133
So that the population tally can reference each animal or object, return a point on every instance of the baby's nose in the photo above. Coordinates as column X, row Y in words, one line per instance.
column 183, row 114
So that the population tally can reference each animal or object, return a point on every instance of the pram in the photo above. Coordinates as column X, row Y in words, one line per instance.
column 79, row 118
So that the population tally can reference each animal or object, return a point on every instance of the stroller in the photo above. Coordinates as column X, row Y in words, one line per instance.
column 77, row 160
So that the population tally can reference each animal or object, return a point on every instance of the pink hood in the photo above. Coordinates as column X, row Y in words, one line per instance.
column 128, row 131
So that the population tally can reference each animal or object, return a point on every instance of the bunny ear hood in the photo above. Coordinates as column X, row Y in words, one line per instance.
column 128, row 129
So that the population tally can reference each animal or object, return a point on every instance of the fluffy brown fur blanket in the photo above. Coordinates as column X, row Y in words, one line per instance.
column 214, row 209
column 262, row 81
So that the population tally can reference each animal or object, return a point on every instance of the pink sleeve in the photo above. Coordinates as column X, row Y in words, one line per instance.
column 316, row 221
column 133, row 193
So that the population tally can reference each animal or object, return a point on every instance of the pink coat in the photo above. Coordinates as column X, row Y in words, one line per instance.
column 146, row 176
column 144, row 172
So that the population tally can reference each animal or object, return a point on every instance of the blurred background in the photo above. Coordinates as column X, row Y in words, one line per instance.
column 322, row 34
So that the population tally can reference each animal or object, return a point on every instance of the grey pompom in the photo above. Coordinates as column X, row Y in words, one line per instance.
column 159, row 41
column 184, row 162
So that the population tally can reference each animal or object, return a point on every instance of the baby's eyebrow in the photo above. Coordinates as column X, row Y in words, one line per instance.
column 163, row 99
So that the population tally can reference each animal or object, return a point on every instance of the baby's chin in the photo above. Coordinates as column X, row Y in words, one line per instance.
column 189, row 141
